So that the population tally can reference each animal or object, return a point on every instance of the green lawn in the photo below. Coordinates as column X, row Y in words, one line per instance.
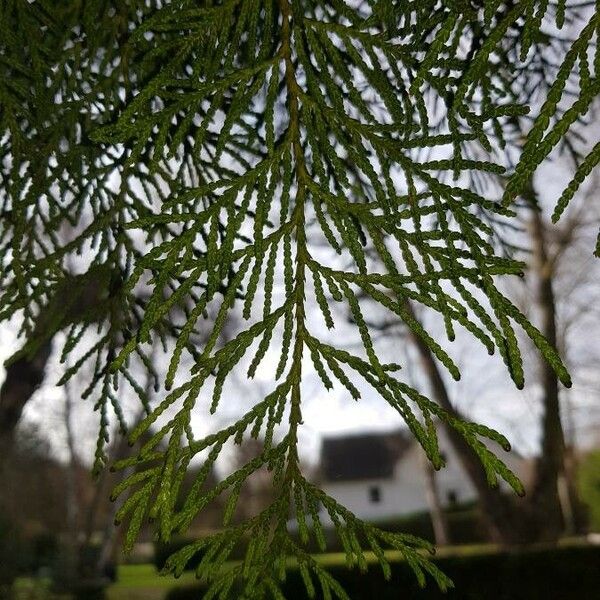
column 143, row 582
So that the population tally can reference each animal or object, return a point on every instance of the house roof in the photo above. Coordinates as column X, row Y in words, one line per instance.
column 362, row 456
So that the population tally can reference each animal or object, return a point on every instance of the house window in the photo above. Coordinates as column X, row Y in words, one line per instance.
column 374, row 494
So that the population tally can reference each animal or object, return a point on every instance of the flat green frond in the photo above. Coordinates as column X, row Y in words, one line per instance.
column 223, row 169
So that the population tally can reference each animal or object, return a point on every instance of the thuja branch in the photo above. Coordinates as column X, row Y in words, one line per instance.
column 368, row 127
column 299, row 220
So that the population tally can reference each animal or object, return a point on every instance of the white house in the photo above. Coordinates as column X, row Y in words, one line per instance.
column 379, row 476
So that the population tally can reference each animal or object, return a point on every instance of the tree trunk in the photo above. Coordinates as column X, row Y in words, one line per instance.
column 497, row 511
column 78, row 298
column 100, row 514
column 545, row 498
column 112, row 535
column 71, row 497
column 23, row 377
column 436, row 511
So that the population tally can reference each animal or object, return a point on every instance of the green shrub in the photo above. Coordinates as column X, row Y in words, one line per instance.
column 89, row 591
column 464, row 525
column 186, row 592
column 13, row 553
column 45, row 551
column 163, row 550
column 589, row 487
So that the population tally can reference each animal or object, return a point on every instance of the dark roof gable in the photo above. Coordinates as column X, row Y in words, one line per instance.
column 362, row 456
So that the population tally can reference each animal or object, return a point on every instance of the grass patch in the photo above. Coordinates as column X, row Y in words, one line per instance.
column 144, row 582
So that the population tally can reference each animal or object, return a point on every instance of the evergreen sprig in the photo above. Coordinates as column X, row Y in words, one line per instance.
column 203, row 154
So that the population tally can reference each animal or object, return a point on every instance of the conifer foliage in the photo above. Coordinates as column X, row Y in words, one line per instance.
column 208, row 152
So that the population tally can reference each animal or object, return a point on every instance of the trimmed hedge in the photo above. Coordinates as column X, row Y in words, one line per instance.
column 552, row 574
column 464, row 526
column 163, row 550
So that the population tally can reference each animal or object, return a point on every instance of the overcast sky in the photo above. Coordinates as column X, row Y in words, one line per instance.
column 485, row 392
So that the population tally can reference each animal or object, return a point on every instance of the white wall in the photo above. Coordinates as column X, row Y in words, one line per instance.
column 395, row 497
column 404, row 493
